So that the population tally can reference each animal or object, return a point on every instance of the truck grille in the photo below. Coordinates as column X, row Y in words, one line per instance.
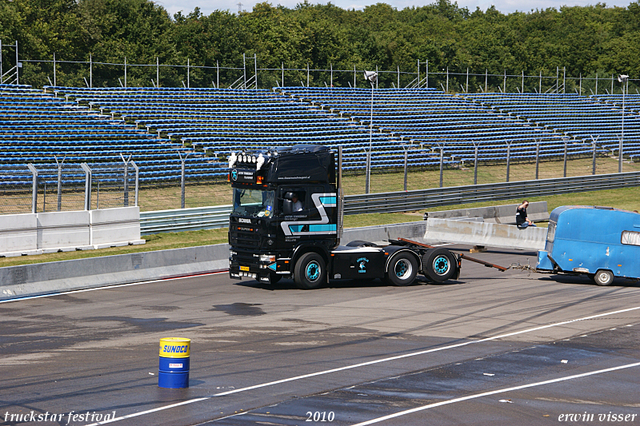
column 246, row 240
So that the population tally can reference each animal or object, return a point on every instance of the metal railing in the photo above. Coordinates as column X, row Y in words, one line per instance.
column 193, row 219
column 390, row 202
column 239, row 77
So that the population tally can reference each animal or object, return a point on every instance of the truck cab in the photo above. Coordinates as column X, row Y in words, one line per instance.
column 282, row 200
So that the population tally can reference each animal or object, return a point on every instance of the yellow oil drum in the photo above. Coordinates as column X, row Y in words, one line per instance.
column 175, row 357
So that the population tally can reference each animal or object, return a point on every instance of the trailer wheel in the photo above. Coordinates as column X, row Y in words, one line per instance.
column 603, row 277
column 403, row 268
column 310, row 271
column 439, row 264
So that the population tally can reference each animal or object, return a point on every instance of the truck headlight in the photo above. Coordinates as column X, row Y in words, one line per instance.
column 267, row 258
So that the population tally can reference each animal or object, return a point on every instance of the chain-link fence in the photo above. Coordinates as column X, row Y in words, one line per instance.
column 47, row 187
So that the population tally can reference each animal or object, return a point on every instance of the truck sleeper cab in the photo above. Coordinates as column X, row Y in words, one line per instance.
column 600, row 242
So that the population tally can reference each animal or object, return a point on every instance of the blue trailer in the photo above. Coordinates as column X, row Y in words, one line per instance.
column 600, row 242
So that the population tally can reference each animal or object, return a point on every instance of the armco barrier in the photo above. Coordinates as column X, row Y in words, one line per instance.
column 56, row 277
column 193, row 219
column 388, row 202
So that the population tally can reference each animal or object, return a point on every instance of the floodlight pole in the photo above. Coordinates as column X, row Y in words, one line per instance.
column 566, row 141
column 623, row 79
column 368, row 183
column 373, row 78
column 537, row 158
column 406, row 161
column 475, row 163
column 508, row 159
column 60, row 163
column 593, row 142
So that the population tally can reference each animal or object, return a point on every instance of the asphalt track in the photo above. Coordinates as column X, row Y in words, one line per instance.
column 493, row 348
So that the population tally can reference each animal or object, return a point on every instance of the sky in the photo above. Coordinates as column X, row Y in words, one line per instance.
column 504, row 6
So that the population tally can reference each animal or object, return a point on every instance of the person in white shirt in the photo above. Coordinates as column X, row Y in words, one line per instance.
column 297, row 205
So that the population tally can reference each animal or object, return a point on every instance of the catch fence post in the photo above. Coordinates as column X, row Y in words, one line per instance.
column 34, row 188
column 87, row 186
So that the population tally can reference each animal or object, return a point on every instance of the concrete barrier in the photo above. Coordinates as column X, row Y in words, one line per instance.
column 409, row 230
column 115, row 227
column 18, row 234
column 506, row 213
column 485, row 234
column 49, row 232
column 56, row 277
column 60, row 231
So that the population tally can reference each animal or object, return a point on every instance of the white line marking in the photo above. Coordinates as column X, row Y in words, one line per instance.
column 494, row 392
column 107, row 287
column 364, row 364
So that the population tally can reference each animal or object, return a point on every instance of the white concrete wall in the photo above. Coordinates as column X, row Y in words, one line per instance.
column 485, row 234
column 118, row 226
column 70, row 230
column 63, row 230
column 18, row 233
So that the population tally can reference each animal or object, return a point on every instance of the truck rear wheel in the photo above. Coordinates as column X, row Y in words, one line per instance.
column 403, row 268
column 603, row 277
column 310, row 271
column 439, row 264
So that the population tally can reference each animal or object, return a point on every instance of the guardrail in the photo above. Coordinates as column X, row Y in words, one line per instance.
column 180, row 220
column 391, row 202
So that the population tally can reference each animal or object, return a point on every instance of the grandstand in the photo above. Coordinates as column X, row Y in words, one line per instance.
column 38, row 127
column 219, row 121
column 433, row 119
column 582, row 119
column 158, row 126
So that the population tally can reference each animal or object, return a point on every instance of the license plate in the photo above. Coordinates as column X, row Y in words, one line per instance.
column 244, row 268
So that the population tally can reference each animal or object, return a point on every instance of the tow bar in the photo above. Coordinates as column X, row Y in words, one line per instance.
column 462, row 255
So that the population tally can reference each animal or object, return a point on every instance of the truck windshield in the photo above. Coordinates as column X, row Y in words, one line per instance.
column 253, row 202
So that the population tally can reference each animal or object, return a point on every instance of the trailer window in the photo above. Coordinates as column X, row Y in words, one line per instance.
column 630, row 238
column 551, row 232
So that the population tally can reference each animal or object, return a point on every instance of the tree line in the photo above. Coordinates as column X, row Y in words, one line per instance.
column 584, row 41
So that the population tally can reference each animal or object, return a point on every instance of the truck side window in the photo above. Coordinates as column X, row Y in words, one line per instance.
column 293, row 201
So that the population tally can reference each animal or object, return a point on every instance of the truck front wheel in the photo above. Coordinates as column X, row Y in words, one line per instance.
column 439, row 264
column 603, row 277
column 403, row 268
column 310, row 271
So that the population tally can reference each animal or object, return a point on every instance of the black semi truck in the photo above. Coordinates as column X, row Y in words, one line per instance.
column 286, row 222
